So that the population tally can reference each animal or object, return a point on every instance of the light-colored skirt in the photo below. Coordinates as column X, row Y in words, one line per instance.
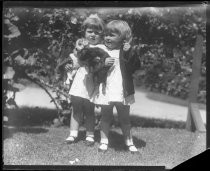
column 100, row 97
column 82, row 85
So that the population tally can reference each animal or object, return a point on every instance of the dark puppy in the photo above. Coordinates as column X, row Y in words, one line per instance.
column 95, row 58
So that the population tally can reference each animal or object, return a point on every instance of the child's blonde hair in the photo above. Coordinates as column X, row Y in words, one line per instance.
column 120, row 27
column 94, row 22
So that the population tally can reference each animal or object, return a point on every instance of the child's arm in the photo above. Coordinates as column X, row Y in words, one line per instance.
column 132, row 58
column 61, row 66
column 68, row 63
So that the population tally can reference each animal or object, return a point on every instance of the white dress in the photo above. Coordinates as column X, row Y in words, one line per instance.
column 114, row 87
column 83, row 85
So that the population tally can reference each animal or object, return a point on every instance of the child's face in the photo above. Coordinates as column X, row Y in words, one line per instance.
column 113, row 40
column 93, row 36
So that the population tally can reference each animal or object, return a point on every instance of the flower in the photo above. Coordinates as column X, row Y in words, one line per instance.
column 73, row 20
column 93, row 16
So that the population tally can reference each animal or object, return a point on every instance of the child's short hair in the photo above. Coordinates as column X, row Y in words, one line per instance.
column 120, row 27
column 94, row 22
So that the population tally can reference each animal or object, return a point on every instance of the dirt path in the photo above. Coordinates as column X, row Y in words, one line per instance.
column 144, row 106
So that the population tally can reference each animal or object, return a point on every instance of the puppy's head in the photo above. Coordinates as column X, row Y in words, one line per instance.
column 92, row 56
column 84, row 54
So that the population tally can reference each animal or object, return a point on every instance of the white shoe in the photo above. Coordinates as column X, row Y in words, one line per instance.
column 132, row 148
column 89, row 141
column 103, row 147
column 71, row 139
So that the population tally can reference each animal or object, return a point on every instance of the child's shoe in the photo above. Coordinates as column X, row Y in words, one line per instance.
column 71, row 140
column 89, row 141
column 103, row 147
column 132, row 148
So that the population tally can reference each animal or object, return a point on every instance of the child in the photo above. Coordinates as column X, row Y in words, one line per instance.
column 82, row 85
column 119, row 87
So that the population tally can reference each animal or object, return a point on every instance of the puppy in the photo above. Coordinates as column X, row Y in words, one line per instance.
column 95, row 58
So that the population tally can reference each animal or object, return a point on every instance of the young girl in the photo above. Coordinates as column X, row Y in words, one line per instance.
column 119, row 86
column 82, row 85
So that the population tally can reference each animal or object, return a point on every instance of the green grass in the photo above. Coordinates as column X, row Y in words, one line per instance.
column 30, row 116
column 29, row 139
column 26, row 116
column 45, row 146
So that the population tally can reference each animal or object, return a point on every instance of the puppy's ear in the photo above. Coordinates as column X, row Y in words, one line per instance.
column 83, row 54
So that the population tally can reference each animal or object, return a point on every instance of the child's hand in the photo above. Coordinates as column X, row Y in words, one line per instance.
column 68, row 67
column 109, row 61
column 75, row 52
column 126, row 46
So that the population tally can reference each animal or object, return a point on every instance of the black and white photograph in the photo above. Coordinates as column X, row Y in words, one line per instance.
column 93, row 85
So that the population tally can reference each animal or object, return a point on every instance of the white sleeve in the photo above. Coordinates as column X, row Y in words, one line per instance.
column 102, row 47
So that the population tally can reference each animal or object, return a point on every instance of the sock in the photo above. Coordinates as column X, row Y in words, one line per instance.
column 74, row 133
column 104, row 141
column 129, row 142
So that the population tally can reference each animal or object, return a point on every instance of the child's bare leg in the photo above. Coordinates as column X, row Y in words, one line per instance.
column 90, row 120
column 124, row 119
column 106, row 118
column 75, row 117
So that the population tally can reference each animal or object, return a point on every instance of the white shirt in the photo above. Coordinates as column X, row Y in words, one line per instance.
column 114, row 85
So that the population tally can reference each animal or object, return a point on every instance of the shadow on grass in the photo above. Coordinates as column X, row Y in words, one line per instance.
column 138, row 121
column 27, row 120
column 117, row 141
column 27, row 116
column 9, row 131
column 82, row 135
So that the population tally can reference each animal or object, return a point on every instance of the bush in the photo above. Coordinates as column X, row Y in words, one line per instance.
column 36, row 40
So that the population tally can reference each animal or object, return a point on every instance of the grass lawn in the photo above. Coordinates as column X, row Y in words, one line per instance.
column 28, row 139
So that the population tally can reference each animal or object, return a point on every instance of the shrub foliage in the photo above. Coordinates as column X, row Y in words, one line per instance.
column 36, row 40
